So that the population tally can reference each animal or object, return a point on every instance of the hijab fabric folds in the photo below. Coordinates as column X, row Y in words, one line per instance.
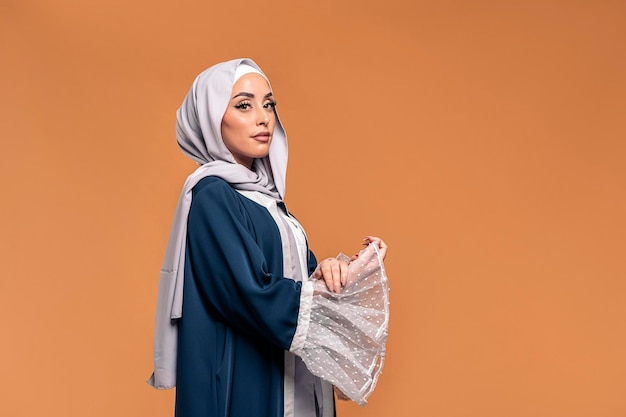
column 198, row 132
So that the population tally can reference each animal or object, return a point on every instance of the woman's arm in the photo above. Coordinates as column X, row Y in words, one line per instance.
column 231, row 272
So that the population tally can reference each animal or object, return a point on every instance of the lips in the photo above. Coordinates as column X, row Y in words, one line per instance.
column 262, row 136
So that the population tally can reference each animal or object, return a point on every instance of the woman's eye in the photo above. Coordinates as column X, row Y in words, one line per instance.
column 243, row 105
column 270, row 105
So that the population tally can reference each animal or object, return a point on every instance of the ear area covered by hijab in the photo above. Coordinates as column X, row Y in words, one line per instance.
column 198, row 132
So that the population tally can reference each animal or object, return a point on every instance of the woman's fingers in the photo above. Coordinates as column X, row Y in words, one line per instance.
column 382, row 246
column 334, row 273
column 343, row 269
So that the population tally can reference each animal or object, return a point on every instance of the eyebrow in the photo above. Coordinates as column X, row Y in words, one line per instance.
column 250, row 95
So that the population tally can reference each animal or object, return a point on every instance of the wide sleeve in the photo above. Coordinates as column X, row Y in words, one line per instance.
column 347, row 332
column 230, row 269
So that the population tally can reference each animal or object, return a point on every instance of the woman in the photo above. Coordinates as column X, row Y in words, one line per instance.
column 254, row 328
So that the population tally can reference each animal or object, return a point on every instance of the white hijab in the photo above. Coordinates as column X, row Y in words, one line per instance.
column 198, row 132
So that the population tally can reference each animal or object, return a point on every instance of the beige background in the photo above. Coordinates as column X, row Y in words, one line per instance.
column 484, row 140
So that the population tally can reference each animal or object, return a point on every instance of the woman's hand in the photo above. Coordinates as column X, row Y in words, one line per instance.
column 382, row 246
column 334, row 273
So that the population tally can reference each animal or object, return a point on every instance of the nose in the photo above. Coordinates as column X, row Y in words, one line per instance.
column 263, row 117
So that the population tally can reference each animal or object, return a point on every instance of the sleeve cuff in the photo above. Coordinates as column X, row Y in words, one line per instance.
column 304, row 318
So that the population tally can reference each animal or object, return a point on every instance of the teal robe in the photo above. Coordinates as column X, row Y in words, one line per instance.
column 239, row 312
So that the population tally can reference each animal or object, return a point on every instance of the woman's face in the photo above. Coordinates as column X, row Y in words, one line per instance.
column 248, row 123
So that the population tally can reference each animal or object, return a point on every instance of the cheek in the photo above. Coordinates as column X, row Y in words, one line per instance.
column 225, row 130
column 231, row 125
column 273, row 121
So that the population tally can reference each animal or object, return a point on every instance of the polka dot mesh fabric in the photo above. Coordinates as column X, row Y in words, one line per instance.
column 345, row 342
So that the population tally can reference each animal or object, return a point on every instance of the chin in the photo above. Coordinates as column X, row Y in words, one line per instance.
column 262, row 152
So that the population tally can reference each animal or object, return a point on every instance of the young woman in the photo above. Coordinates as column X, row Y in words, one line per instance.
column 264, row 330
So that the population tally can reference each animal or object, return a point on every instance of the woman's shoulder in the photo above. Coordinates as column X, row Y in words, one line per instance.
column 211, row 182
column 216, row 196
column 214, row 189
